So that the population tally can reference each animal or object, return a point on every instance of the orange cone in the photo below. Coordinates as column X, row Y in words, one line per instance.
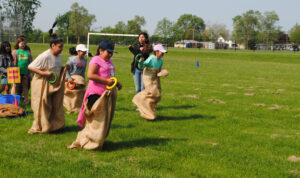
column 16, row 101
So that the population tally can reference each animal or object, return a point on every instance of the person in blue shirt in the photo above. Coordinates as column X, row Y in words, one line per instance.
column 146, row 100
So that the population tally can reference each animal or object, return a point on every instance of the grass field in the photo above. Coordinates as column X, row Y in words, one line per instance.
column 237, row 115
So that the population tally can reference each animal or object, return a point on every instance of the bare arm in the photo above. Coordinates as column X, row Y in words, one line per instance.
column 92, row 75
column 14, row 54
column 40, row 72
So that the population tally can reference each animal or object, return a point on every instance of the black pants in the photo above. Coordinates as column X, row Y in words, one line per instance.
column 91, row 100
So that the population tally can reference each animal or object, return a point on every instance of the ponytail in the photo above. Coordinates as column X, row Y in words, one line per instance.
column 73, row 51
column 55, row 39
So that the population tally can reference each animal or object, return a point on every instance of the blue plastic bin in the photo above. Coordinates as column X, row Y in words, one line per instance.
column 9, row 99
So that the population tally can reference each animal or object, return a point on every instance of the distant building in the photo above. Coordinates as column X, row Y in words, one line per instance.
column 187, row 44
column 208, row 45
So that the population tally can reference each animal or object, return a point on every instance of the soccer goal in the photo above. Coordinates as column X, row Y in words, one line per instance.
column 117, row 38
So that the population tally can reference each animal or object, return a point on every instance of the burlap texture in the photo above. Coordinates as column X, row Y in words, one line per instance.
column 98, row 121
column 47, row 104
column 147, row 100
column 10, row 110
column 74, row 98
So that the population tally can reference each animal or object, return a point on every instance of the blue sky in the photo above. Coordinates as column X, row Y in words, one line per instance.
column 109, row 12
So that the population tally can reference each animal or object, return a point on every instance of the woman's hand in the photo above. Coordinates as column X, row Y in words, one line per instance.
column 68, row 67
column 119, row 86
column 109, row 82
column 47, row 74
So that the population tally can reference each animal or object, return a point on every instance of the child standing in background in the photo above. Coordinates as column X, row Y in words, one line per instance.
column 6, row 60
column 22, row 58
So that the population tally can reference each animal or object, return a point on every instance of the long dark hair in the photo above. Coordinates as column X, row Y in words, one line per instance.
column 146, row 36
column 5, row 44
column 55, row 39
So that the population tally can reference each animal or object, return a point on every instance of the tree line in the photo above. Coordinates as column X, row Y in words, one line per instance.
column 249, row 28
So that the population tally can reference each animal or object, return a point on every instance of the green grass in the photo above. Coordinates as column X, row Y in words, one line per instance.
column 208, row 124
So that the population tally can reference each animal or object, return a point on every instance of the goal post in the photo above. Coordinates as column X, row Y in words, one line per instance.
column 106, row 34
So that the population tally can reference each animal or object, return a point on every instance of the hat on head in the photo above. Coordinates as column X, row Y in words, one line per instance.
column 107, row 45
column 160, row 48
column 81, row 47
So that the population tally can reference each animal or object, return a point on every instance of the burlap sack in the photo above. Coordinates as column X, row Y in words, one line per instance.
column 47, row 104
column 10, row 110
column 98, row 121
column 74, row 98
column 147, row 100
column 163, row 73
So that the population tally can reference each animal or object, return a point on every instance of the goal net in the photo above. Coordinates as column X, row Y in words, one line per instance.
column 118, row 39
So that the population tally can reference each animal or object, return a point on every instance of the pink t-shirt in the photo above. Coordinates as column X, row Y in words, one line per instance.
column 106, row 70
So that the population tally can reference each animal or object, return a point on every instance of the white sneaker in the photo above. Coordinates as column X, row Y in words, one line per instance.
column 137, row 109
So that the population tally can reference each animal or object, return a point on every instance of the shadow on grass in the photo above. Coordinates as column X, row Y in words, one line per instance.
column 159, row 108
column 73, row 128
column 175, row 107
column 178, row 118
column 112, row 146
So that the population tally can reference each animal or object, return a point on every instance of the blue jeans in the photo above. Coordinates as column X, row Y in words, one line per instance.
column 138, row 81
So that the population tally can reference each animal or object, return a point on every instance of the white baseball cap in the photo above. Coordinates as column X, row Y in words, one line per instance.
column 81, row 47
column 160, row 48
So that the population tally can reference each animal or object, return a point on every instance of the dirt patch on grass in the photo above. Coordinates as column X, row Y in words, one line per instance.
column 211, row 143
column 216, row 101
column 274, row 136
column 277, row 92
column 197, row 89
column 249, row 94
column 191, row 96
column 294, row 159
column 231, row 93
column 295, row 173
column 260, row 104
column 274, row 107
column 226, row 85
column 240, row 87
column 298, row 116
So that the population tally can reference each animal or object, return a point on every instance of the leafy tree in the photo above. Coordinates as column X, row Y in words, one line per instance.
column 63, row 24
column 246, row 27
column 269, row 28
column 35, row 36
column 189, row 26
column 120, row 27
column 294, row 34
column 21, row 13
column 80, row 21
column 164, row 28
column 214, row 31
column 134, row 26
